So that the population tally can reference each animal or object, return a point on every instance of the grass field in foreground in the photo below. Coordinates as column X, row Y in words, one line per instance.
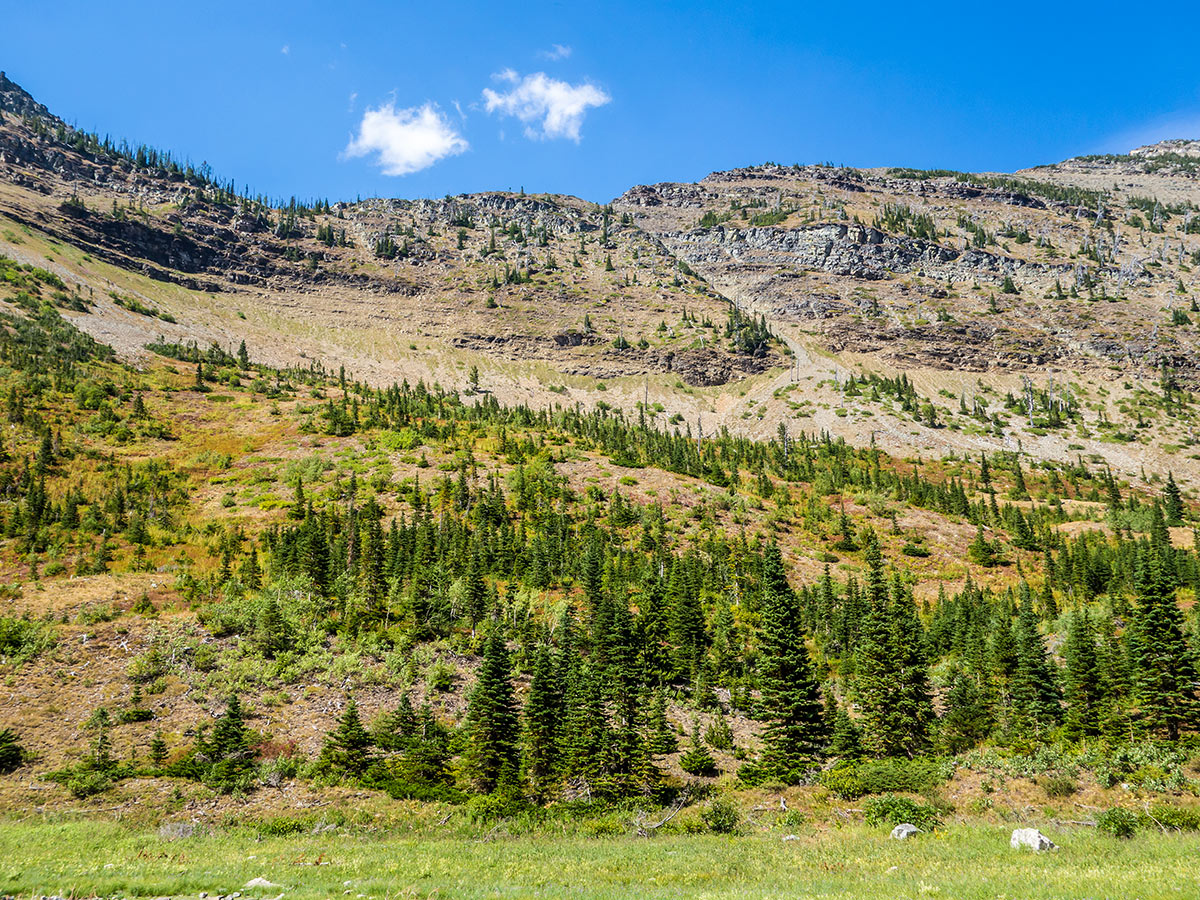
column 103, row 859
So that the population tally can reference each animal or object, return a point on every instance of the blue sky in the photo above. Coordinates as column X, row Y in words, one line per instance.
column 346, row 99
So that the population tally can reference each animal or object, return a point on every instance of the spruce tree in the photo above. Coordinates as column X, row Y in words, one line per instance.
column 1034, row 696
column 795, row 733
column 967, row 720
column 493, row 753
column 662, row 735
column 543, row 712
column 11, row 752
column 891, row 677
column 1083, row 685
column 347, row 750
column 1163, row 666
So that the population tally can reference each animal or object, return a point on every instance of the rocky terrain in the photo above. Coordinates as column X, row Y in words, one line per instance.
column 1074, row 283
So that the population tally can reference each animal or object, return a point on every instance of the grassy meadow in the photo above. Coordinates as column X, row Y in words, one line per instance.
column 90, row 858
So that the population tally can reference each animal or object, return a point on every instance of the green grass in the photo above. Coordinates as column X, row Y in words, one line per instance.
column 963, row 862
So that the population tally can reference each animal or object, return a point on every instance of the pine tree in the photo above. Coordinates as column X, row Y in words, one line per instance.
column 795, row 733
column 11, row 753
column 1172, row 501
column 347, row 749
column 1163, row 666
column 1033, row 690
column 543, row 712
column 662, row 735
column 158, row 750
column 493, row 753
column 697, row 760
column 846, row 742
column 967, row 720
column 1083, row 684
column 890, row 671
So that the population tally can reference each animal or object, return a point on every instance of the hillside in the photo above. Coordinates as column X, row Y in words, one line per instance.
column 801, row 485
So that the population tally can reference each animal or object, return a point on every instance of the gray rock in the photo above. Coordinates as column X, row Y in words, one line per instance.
column 904, row 831
column 1032, row 838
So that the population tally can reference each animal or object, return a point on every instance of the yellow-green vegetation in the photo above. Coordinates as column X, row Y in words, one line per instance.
column 855, row 863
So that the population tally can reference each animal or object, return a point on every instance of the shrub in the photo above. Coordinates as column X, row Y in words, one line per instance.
column 86, row 784
column 22, row 639
column 1120, row 823
column 1176, row 818
column 878, row 776
column 890, row 811
column 721, row 816
column 1058, row 786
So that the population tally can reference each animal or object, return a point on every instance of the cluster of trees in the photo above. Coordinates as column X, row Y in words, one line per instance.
column 595, row 623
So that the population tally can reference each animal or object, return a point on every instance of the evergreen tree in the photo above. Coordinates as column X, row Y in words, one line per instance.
column 347, row 749
column 795, row 733
column 1083, row 683
column 1034, row 695
column 662, row 735
column 1172, row 501
column 11, row 752
column 492, row 719
column 967, row 720
column 890, row 670
column 1164, row 669
column 158, row 750
column 543, row 712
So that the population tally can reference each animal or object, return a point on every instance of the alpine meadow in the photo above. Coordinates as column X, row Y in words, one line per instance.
column 805, row 530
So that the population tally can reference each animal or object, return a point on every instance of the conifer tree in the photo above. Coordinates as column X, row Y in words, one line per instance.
column 543, row 712
column 492, row 719
column 890, row 671
column 1083, row 685
column 967, row 720
column 347, row 749
column 662, row 735
column 1165, row 676
column 11, row 752
column 1172, row 501
column 1034, row 694
column 795, row 733
column 158, row 750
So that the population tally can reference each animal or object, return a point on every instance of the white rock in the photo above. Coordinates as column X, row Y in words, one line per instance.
column 260, row 883
column 1032, row 838
column 904, row 831
column 791, row 837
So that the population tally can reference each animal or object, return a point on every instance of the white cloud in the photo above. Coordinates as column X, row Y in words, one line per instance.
column 555, row 107
column 406, row 140
column 555, row 53
column 352, row 101
column 285, row 49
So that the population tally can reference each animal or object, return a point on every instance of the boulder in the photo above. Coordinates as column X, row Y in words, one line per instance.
column 1032, row 838
column 904, row 831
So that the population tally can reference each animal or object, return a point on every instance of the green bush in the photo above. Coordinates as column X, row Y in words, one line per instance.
column 1120, row 823
column 86, row 784
column 879, row 776
column 22, row 639
column 282, row 826
column 721, row 816
column 889, row 810
column 1176, row 818
column 1058, row 786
